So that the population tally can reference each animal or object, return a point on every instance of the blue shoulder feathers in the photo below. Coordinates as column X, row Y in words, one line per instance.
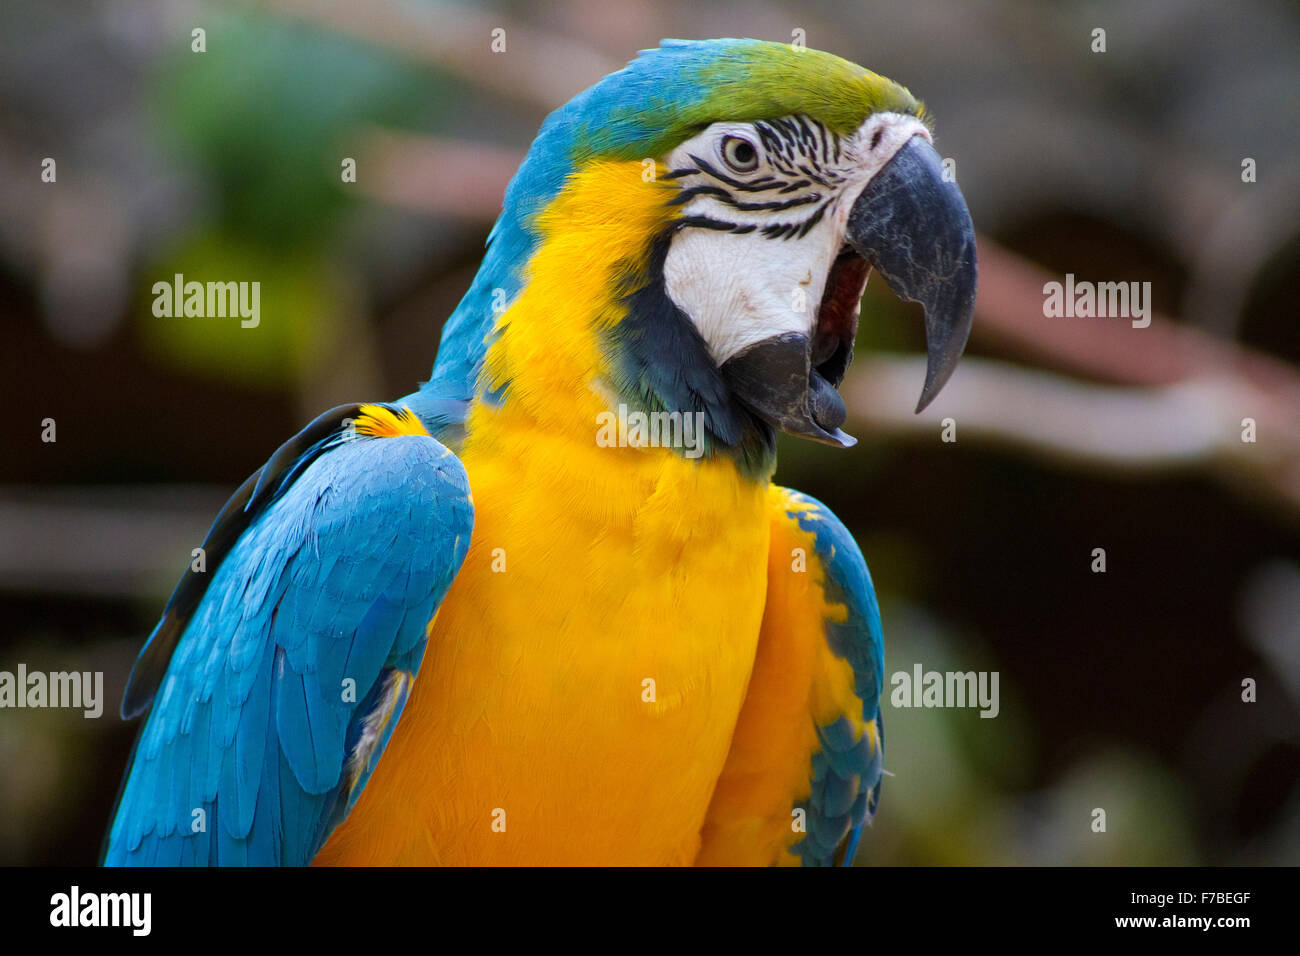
column 277, row 675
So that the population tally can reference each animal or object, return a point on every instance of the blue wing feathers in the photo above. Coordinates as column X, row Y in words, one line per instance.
column 338, row 568
column 846, row 771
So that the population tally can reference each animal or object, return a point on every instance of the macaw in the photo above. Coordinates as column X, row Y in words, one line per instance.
column 550, row 608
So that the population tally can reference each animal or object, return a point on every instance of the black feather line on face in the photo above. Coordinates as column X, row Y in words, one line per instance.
column 799, row 149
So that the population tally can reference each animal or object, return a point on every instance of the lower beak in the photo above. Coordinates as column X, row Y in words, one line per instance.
column 912, row 226
column 776, row 379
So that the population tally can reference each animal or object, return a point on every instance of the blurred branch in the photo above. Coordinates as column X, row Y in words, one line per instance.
column 1197, row 388
column 1070, row 421
column 1009, row 312
column 1190, row 424
column 124, row 541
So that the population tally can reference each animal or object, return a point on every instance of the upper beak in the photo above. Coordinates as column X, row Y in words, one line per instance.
column 915, row 230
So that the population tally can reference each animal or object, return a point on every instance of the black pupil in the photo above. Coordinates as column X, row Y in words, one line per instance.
column 875, row 139
column 742, row 152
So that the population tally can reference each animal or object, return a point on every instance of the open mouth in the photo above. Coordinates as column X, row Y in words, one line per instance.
column 911, row 225
column 790, row 380
column 831, row 348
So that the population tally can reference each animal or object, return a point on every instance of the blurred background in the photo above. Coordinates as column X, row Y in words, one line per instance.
column 1120, row 690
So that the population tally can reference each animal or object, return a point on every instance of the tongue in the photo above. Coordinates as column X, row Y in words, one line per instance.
column 825, row 404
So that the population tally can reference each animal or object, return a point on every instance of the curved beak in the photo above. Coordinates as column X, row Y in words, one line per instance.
column 914, row 228
column 911, row 225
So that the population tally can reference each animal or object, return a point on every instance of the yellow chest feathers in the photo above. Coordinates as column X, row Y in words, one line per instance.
column 585, row 672
column 633, row 576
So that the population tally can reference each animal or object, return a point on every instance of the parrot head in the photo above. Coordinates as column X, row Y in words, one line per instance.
column 784, row 217
column 786, row 176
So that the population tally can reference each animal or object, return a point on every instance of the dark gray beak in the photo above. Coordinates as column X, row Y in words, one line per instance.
column 915, row 230
column 912, row 227
column 776, row 378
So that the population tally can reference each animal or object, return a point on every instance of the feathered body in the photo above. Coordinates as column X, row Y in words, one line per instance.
column 640, row 656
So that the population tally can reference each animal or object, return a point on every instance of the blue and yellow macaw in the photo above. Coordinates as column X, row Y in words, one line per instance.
column 550, row 608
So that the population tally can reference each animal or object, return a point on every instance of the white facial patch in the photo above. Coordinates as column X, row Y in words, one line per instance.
column 765, row 219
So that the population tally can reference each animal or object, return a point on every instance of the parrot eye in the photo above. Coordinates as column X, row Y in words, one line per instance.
column 877, row 137
column 739, row 154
